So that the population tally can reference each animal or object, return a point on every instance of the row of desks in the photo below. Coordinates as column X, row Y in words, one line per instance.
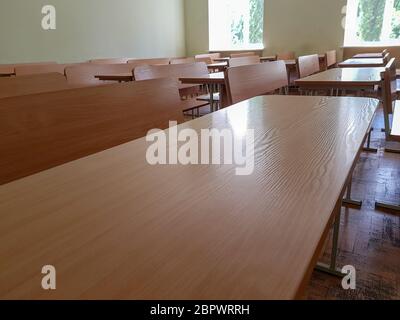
column 116, row 227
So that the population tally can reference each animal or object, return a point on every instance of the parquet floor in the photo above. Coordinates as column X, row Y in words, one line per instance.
column 369, row 239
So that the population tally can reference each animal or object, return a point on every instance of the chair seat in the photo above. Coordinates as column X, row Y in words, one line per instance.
column 206, row 97
column 395, row 133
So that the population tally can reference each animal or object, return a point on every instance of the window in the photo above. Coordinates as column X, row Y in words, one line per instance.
column 372, row 22
column 236, row 24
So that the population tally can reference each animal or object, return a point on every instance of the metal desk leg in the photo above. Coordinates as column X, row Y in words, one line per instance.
column 348, row 201
column 211, row 90
column 332, row 269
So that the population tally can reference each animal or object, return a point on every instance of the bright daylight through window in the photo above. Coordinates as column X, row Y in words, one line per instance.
column 372, row 22
column 236, row 24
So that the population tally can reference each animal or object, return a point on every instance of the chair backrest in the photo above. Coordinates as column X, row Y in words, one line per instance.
column 249, row 81
column 174, row 71
column 290, row 55
column 330, row 59
column 84, row 74
column 389, row 86
column 206, row 60
column 39, row 69
column 150, row 62
column 110, row 61
column 212, row 56
column 242, row 54
column 384, row 52
column 183, row 60
column 308, row 65
column 243, row 61
column 11, row 67
column 32, row 84
column 46, row 130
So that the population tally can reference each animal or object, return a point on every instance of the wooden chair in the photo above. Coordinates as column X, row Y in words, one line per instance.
column 110, row 61
column 32, row 84
column 290, row 55
column 39, row 69
column 42, row 131
column 212, row 56
column 10, row 68
column 176, row 71
column 245, row 82
column 243, row 61
column 242, row 54
column 330, row 59
column 150, row 62
column 386, row 58
column 183, row 60
column 308, row 65
column 84, row 74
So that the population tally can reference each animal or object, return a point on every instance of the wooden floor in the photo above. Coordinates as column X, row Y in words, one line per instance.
column 369, row 239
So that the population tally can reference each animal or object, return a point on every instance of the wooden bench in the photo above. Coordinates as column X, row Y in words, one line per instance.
column 84, row 74
column 110, row 61
column 151, row 62
column 32, row 84
column 39, row 69
column 243, row 61
column 176, row 71
column 246, row 82
column 42, row 131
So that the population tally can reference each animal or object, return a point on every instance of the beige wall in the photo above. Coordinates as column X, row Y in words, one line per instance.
column 303, row 26
column 91, row 29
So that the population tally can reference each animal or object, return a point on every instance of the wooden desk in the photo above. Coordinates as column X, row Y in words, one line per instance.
column 115, row 227
column 224, row 59
column 347, row 78
column 121, row 77
column 215, row 83
column 39, row 83
column 368, row 55
column 268, row 58
column 220, row 66
column 362, row 63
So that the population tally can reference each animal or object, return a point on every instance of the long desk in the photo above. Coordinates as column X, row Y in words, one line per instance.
column 215, row 82
column 343, row 78
column 115, row 227
column 32, row 84
column 362, row 63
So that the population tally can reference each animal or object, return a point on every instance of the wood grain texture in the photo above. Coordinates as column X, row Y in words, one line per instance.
column 246, row 82
column 45, row 130
column 116, row 227
column 39, row 83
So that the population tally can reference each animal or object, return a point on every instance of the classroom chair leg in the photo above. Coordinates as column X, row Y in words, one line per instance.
column 332, row 268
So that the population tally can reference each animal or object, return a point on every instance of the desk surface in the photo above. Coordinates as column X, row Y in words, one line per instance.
column 32, row 84
column 368, row 55
column 366, row 62
column 344, row 76
column 212, row 78
column 6, row 71
column 116, row 227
